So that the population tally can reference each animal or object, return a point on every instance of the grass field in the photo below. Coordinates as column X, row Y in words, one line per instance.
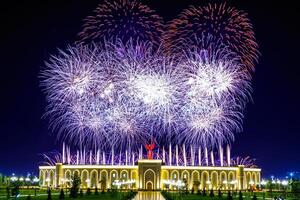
column 28, row 191
column 246, row 196
column 41, row 194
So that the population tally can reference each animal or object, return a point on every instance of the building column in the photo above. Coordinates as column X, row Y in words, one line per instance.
column 59, row 174
column 240, row 177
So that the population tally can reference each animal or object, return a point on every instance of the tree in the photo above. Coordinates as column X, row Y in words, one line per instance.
column 62, row 194
column 49, row 197
column 219, row 193
column 88, row 191
column 211, row 194
column 8, row 192
column 28, row 197
column 240, row 195
column 229, row 196
column 15, row 191
column 75, row 186
column 204, row 192
column 198, row 192
column 295, row 186
column 81, row 193
column 96, row 191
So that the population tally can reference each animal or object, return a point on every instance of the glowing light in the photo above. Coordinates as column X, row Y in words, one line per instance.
column 284, row 182
column 35, row 179
column 178, row 183
column 263, row 182
column 13, row 178
column 119, row 183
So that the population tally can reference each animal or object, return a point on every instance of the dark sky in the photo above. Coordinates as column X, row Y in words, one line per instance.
column 32, row 30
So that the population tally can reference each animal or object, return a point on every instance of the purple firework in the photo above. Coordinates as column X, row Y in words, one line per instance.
column 216, row 91
column 126, row 92
column 122, row 19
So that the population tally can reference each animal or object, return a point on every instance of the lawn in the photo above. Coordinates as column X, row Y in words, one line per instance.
column 235, row 195
column 28, row 191
column 41, row 194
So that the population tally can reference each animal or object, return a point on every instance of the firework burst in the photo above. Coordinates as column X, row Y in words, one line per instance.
column 122, row 19
column 126, row 92
column 121, row 94
column 216, row 92
column 222, row 22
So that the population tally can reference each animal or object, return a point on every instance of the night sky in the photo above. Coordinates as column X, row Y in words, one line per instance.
column 32, row 30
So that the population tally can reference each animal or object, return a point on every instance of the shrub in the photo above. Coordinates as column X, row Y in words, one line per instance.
column 88, row 191
column 204, row 192
column 96, row 191
column 49, row 197
column 229, row 196
column 61, row 194
column 240, row 195
column 75, row 186
column 81, row 193
column 219, row 193
column 211, row 194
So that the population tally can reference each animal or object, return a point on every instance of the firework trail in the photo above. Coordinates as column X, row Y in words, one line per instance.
column 122, row 19
column 222, row 22
column 246, row 161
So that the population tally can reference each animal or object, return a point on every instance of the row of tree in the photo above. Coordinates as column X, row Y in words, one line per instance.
column 169, row 195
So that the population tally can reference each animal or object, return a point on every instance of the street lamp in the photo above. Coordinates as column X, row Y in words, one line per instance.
column 263, row 183
column 35, row 179
column 284, row 182
column 13, row 178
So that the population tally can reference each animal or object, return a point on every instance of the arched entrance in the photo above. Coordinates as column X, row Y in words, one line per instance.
column 149, row 185
column 149, row 179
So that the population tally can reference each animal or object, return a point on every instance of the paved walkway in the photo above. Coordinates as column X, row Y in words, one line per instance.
column 143, row 195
